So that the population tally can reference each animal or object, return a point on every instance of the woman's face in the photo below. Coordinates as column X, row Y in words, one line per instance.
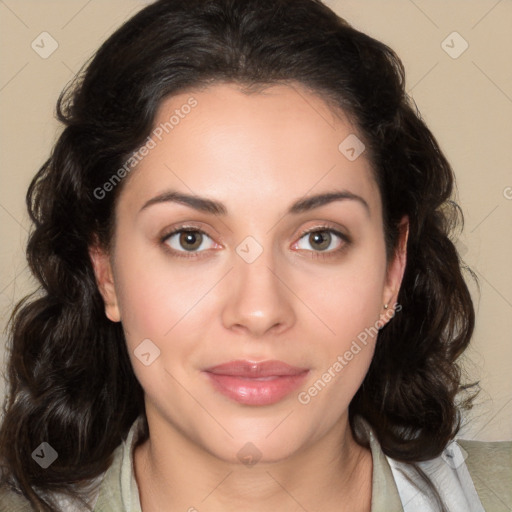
column 253, row 287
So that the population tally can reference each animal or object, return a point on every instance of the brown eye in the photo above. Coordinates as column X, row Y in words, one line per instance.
column 190, row 240
column 323, row 240
column 320, row 240
column 187, row 240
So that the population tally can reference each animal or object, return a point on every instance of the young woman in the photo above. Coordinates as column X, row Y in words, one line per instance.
column 249, row 298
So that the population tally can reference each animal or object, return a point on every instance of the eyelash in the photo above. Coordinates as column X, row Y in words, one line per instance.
column 316, row 254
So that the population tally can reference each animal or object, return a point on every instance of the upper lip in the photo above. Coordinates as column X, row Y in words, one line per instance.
column 243, row 368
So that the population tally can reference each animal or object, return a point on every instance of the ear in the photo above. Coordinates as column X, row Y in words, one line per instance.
column 105, row 280
column 396, row 269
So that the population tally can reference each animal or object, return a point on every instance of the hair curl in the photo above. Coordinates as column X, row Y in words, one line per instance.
column 70, row 377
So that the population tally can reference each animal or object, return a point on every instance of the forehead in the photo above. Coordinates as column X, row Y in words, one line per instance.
column 274, row 145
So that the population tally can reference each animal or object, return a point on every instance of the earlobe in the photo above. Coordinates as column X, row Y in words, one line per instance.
column 396, row 266
column 105, row 282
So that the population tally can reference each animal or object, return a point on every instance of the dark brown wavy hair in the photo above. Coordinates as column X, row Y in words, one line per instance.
column 71, row 383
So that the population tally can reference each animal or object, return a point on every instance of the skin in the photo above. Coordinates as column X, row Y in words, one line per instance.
column 257, row 154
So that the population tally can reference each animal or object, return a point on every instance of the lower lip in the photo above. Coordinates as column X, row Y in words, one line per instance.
column 254, row 391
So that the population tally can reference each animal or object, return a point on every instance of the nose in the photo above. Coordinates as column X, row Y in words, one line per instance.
column 259, row 299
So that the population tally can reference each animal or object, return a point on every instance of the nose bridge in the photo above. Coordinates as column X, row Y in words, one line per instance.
column 258, row 299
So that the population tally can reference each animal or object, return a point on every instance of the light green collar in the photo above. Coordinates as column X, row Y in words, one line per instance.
column 119, row 486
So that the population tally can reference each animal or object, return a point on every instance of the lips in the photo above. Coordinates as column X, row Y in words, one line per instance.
column 256, row 383
column 250, row 369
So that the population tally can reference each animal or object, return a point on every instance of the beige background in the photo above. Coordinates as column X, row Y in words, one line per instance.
column 467, row 102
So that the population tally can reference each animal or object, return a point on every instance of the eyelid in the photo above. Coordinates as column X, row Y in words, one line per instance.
column 183, row 228
column 345, row 238
column 326, row 226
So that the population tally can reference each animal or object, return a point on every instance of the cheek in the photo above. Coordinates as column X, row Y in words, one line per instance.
column 350, row 305
column 350, row 298
column 153, row 294
column 162, row 304
column 351, row 308
column 154, row 303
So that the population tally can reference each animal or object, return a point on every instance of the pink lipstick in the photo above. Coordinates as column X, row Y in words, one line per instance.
column 256, row 383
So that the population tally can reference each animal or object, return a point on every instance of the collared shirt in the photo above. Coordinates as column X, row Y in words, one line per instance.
column 470, row 476
column 119, row 485
column 391, row 489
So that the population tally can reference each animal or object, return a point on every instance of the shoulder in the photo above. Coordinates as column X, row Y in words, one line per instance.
column 115, row 486
column 11, row 501
column 490, row 467
column 119, row 486
column 481, row 451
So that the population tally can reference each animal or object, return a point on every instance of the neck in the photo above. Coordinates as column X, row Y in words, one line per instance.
column 175, row 473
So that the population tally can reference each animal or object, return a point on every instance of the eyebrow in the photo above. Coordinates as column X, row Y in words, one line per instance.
column 206, row 205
